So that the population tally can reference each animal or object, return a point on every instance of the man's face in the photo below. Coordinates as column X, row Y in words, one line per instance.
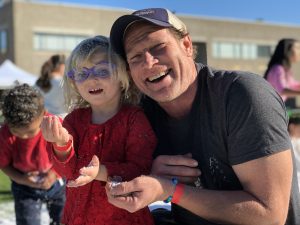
column 159, row 63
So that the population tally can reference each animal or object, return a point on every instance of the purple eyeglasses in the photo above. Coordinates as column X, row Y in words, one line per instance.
column 102, row 70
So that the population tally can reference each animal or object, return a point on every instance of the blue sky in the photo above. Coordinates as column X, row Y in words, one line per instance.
column 281, row 11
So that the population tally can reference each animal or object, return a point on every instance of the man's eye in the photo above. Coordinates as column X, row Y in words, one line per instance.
column 135, row 58
column 157, row 48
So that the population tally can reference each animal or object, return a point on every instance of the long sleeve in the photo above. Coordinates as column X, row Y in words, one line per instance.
column 139, row 147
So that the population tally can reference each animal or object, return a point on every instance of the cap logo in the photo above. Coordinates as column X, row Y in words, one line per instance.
column 144, row 12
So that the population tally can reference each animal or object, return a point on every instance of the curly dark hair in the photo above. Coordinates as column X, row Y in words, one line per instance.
column 22, row 105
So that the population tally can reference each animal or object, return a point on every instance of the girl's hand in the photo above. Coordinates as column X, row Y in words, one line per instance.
column 53, row 131
column 87, row 174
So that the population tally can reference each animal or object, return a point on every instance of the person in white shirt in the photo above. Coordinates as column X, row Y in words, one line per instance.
column 294, row 131
column 49, row 83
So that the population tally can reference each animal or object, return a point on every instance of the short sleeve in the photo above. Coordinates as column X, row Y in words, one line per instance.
column 277, row 78
column 256, row 120
column 5, row 151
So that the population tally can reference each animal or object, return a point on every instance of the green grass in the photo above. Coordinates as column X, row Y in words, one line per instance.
column 5, row 193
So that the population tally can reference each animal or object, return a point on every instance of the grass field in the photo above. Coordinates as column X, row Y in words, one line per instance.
column 5, row 193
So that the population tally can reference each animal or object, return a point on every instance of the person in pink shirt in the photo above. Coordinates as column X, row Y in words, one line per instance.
column 279, row 72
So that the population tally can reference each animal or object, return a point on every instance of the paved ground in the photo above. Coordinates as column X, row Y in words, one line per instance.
column 7, row 214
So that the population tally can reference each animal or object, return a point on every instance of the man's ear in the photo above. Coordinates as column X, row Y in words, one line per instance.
column 188, row 45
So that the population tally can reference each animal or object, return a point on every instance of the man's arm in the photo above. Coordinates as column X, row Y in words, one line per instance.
column 264, row 200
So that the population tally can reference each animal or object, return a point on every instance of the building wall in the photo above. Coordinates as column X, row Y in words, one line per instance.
column 30, row 18
column 208, row 30
column 24, row 18
column 6, row 23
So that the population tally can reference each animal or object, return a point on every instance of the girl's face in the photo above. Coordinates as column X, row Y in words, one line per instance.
column 95, row 82
column 295, row 57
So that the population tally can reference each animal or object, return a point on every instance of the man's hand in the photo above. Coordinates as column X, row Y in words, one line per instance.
column 87, row 174
column 183, row 167
column 139, row 192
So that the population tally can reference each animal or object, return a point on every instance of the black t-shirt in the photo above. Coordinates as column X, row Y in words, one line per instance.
column 236, row 117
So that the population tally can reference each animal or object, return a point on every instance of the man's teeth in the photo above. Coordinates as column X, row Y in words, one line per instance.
column 157, row 76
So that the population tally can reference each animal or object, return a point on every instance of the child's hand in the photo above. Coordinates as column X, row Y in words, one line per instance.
column 48, row 179
column 53, row 131
column 32, row 179
column 87, row 174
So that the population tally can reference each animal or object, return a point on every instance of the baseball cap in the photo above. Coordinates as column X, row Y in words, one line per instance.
column 157, row 16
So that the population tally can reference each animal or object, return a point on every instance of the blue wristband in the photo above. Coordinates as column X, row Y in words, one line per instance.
column 174, row 182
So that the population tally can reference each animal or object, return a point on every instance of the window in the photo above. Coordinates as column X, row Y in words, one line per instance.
column 201, row 55
column 239, row 50
column 3, row 41
column 264, row 51
column 56, row 42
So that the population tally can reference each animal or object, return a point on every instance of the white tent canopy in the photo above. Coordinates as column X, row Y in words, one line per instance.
column 10, row 75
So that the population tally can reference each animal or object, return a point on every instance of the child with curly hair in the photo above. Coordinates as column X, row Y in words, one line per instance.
column 24, row 158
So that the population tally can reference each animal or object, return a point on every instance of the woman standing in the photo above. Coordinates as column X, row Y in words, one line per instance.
column 49, row 83
column 279, row 72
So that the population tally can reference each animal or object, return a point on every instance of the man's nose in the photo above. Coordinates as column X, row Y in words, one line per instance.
column 149, row 59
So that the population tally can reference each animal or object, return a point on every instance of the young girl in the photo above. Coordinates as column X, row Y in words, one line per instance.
column 102, row 123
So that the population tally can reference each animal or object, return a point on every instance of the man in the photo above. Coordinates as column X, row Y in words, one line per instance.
column 224, row 131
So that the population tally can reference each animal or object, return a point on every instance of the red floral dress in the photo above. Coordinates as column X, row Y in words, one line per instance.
column 124, row 144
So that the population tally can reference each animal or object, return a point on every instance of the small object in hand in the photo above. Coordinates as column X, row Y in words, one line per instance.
column 115, row 181
column 198, row 183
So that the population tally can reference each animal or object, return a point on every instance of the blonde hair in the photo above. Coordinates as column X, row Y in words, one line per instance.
column 83, row 53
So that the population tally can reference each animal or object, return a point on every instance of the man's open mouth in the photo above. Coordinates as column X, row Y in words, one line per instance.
column 159, row 77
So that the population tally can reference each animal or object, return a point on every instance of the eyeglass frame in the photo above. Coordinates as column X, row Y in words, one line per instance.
column 88, row 71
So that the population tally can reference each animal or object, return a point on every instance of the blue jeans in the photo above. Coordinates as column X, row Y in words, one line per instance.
column 28, row 203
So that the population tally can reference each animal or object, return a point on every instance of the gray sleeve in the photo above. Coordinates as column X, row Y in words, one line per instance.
column 256, row 120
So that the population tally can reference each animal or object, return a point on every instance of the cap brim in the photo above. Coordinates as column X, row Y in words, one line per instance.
column 121, row 24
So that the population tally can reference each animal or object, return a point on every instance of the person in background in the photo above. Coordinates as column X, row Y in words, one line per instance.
column 49, row 83
column 24, row 158
column 223, row 153
column 104, row 125
column 294, row 131
column 279, row 71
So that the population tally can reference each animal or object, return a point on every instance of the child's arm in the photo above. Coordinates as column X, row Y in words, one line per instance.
column 94, row 171
column 20, row 178
column 54, row 132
